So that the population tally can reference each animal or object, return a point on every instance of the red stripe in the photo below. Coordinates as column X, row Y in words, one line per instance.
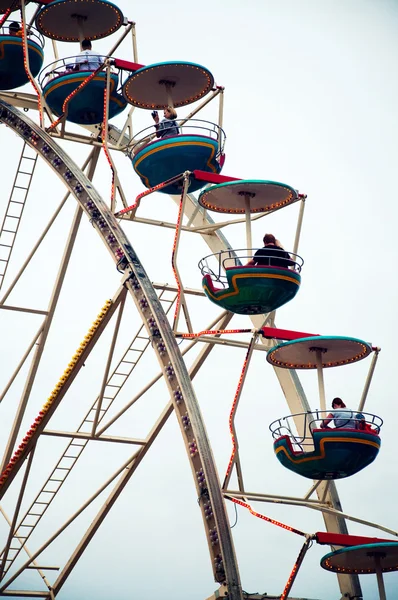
column 342, row 539
column 213, row 177
column 285, row 334
column 126, row 64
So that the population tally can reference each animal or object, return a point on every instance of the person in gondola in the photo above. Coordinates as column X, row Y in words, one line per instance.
column 343, row 417
column 15, row 28
column 88, row 59
column 271, row 255
column 167, row 127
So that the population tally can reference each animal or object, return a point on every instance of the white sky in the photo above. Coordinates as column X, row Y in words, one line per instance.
column 310, row 101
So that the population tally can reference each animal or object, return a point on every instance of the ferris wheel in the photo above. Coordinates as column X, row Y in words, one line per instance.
column 69, row 404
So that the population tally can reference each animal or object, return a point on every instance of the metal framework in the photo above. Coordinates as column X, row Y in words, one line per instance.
column 155, row 333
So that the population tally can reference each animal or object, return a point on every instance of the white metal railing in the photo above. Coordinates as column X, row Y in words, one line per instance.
column 216, row 264
column 68, row 66
column 32, row 33
column 178, row 127
column 313, row 420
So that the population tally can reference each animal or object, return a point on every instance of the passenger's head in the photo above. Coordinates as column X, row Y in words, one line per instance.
column 14, row 27
column 338, row 403
column 269, row 239
column 86, row 45
column 170, row 113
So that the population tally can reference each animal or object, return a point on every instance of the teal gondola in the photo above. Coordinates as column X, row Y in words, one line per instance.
column 13, row 73
column 248, row 290
column 324, row 453
column 195, row 145
column 85, row 105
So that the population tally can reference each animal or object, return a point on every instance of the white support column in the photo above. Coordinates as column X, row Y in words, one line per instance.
column 379, row 575
column 368, row 380
column 249, row 243
column 321, row 383
column 181, row 300
column 134, row 39
column 221, row 108
column 299, row 225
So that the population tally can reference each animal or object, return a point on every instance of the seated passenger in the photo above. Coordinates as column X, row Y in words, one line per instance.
column 272, row 255
column 168, row 127
column 342, row 416
column 15, row 28
column 88, row 59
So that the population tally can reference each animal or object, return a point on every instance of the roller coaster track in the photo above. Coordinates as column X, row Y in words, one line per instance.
column 185, row 404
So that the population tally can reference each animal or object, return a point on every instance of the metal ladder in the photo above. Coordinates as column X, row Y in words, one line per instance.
column 74, row 449
column 15, row 207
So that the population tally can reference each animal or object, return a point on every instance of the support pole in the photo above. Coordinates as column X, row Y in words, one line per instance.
column 379, row 575
column 368, row 380
column 295, row 569
column 249, row 242
column 55, row 49
column 235, row 459
column 299, row 225
column 181, row 302
column 321, row 383
column 221, row 108
column 134, row 39
column 170, row 102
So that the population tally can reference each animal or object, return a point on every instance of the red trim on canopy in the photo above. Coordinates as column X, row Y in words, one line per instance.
column 213, row 177
column 285, row 334
column 126, row 65
column 343, row 539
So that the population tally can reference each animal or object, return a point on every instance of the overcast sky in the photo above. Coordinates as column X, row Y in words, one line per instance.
column 310, row 101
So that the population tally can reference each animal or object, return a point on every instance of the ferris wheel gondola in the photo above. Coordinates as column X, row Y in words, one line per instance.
column 85, row 87
column 12, row 62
